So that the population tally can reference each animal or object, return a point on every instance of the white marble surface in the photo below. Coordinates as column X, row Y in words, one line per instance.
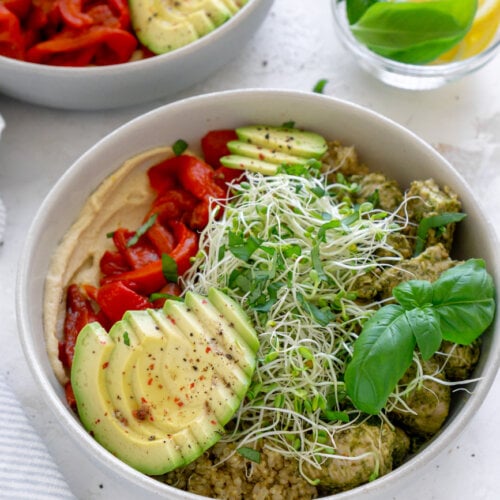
column 294, row 48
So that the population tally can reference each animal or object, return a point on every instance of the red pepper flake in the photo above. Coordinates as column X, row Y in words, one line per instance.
column 150, row 381
column 105, row 365
column 201, row 377
column 213, row 422
column 204, row 301
column 208, row 349
column 191, row 385
column 152, row 366
column 172, row 320
column 144, row 400
column 178, row 402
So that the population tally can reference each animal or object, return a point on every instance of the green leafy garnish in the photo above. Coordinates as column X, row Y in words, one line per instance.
column 457, row 307
column 169, row 268
column 320, row 86
column 179, row 147
column 242, row 247
column 249, row 454
column 142, row 230
column 126, row 338
column 167, row 296
column 434, row 222
column 409, row 32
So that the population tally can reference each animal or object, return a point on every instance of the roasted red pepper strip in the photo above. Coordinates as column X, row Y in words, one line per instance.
column 145, row 280
column 199, row 216
column 172, row 205
column 19, row 8
column 137, row 255
column 113, row 263
column 214, row 145
column 72, row 15
column 197, row 177
column 11, row 39
column 186, row 247
column 60, row 48
column 70, row 396
column 116, row 298
column 161, row 238
column 79, row 312
column 120, row 7
column 163, row 176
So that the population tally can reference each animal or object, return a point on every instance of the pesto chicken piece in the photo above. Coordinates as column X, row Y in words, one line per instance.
column 459, row 361
column 343, row 160
column 427, row 199
column 427, row 266
column 375, row 187
column 368, row 450
column 428, row 403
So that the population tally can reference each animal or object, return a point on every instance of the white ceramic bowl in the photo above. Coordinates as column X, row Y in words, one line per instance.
column 407, row 76
column 381, row 143
column 106, row 87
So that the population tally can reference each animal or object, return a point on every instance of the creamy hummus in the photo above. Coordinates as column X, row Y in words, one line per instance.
column 122, row 200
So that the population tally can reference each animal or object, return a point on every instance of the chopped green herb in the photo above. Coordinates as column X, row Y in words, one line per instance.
column 433, row 222
column 169, row 268
column 290, row 124
column 320, row 86
column 142, row 230
column 167, row 296
column 126, row 338
column 179, row 147
column 249, row 454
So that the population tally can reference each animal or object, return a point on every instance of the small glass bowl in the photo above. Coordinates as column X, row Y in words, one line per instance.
column 402, row 75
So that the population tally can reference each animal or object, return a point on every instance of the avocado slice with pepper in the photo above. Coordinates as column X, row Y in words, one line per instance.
column 159, row 388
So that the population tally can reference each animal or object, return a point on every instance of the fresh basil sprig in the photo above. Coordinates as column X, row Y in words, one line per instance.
column 457, row 307
column 409, row 32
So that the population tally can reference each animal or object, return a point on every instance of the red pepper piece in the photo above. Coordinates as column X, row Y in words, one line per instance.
column 113, row 263
column 224, row 175
column 11, row 39
column 72, row 15
column 214, row 145
column 121, row 10
column 197, row 177
column 199, row 216
column 145, row 280
column 19, row 8
column 161, row 238
column 186, row 247
column 79, row 312
column 172, row 205
column 168, row 289
column 65, row 47
column 163, row 176
column 137, row 255
column 116, row 298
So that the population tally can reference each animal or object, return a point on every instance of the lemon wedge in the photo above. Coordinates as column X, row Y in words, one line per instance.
column 480, row 35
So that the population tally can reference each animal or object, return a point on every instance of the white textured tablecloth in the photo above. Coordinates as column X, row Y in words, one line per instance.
column 27, row 470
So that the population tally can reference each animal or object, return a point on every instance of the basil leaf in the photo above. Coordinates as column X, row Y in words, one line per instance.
column 169, row 268
column 414, row 33
column 356, row 8
column 179, row 147
column 463, row 296
column 382, row 354
column 434, row 221
column 425, row 326
column 413, row 293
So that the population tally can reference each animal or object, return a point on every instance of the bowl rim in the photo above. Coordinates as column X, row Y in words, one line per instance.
column 449, row 69
column 90, row 447
column 140, row 64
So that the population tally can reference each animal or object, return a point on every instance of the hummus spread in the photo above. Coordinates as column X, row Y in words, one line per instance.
column 122, row 200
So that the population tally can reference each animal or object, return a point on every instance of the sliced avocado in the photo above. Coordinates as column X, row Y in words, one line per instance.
column 245, row 163
column 234, row 5
column 159, row 388
column 288, row 140
column 263, row 148
column 163, row 26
